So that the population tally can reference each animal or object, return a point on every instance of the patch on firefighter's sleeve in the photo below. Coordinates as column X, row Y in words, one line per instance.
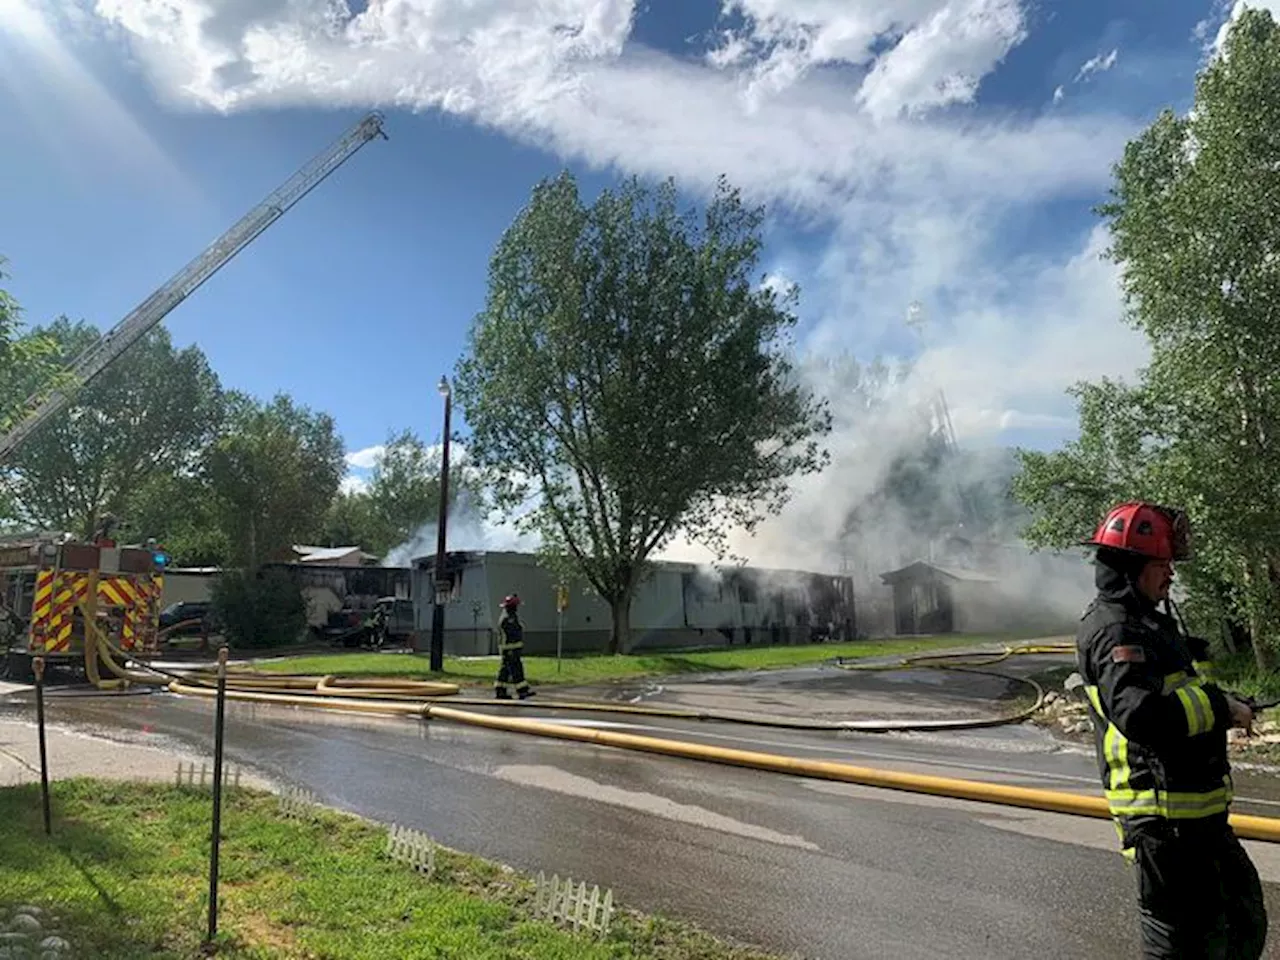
column 1128, row 655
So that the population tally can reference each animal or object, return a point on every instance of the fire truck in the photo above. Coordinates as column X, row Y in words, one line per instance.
column 51, row 585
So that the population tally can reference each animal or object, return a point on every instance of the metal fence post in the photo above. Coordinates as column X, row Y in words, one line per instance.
column 37, row 665
column 216, row 836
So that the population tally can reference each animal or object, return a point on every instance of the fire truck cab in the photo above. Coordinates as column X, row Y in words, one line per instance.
column 50, row 584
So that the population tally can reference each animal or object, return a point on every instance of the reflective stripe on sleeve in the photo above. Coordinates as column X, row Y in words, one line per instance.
column 1196, row 705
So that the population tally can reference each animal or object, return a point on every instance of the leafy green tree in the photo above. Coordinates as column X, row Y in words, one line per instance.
column 404, row 490
column 402, row 496
column 628, row 378
column 272, row 474
column 349, row 521
column 180, row 512
column 150, row 413
column 27, row 362
column 1195, row 222
column 259, row 609
column 1070, row 490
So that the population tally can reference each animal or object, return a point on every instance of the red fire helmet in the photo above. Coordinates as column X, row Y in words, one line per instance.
column 1147, row 529
column 511, row 601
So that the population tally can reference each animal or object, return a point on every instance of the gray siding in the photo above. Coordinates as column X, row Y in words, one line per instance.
column 679, row 605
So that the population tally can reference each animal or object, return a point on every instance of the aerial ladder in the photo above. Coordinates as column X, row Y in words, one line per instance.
column 143, row 318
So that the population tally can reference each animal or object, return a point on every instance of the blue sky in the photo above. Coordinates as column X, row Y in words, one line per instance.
column 940, row 151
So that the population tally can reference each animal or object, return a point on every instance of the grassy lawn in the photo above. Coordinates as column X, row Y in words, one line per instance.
column 125, row 874
column 596, row 668
column 1238, row 672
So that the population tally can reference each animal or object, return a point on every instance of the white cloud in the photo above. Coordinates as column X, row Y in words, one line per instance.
column 831, row 108
column 1098, row 64
column 943, row 59
column 943, row 48
column 778, row 282
column 367, row 458
column 1059, row 94
column 354, row 483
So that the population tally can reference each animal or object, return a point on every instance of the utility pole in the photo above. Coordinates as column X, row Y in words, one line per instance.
column 442, row 583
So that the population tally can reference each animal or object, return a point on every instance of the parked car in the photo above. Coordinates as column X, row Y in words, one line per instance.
column 187, row 624
column 346, row 626
column 186, row 618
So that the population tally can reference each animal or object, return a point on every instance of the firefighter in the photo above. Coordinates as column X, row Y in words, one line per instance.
column 1161, row 738
column 511, row 646
column 377, row 626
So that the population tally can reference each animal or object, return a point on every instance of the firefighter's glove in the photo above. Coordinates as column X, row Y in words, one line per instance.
column 1241, row 713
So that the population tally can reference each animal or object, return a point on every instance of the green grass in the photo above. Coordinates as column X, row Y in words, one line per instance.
column 1238, row 672
column 588, row 669
column 126, row 873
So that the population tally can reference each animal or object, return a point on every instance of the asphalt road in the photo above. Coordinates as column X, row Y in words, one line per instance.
column 811, row 868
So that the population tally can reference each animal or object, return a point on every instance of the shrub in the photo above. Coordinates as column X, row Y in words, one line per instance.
column 259, row 610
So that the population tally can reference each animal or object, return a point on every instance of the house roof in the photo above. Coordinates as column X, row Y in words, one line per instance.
column 322, row 554
column 921, row 567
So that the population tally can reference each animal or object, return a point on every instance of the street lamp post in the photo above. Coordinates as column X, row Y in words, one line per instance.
column 441, row 582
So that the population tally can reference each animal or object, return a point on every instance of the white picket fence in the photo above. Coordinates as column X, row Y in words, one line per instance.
column 572, row 904
column 188, row 777
column 412, row 847
column 297, row 803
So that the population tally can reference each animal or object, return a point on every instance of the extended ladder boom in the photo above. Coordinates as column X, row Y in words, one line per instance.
column 156, row 307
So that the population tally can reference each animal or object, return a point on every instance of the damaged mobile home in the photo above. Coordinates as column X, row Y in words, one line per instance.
column 677, row 605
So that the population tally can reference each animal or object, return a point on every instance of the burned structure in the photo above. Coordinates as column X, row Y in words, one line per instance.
column 679, row 605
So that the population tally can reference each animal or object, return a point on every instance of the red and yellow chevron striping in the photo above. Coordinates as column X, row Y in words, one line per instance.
column 69, row 589
column 134, row 599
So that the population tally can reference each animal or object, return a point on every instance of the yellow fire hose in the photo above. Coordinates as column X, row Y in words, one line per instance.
column 1055, row 801
column 327, row 693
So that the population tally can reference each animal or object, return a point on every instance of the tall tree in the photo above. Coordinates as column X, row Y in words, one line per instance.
column 180, row 511
column 1069, row 490
column 404, row 490
column 402, row 496
column 27, row 362
column 273, row 474
column 1195, row 221
column 349, row 521
column 151, row 412
column 628, row 378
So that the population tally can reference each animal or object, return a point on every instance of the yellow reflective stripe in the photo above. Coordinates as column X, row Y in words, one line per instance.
column 1173, row 806
column 1092, row 692
column 1125, row 802
column 1115, row 746
column 1196, row 705
column 1175, row 680
column 1116, row 749
column 1128, row 852
column 1204, row 668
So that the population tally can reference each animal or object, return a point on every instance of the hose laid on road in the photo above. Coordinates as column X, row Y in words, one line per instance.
column 1246, row 826
column 1054, row 801
column 309, row 686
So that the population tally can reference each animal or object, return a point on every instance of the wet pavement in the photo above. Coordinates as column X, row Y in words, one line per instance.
column 817, row 869
column 825, row 692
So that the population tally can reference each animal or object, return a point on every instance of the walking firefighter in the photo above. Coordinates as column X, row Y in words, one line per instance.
column 511, row 648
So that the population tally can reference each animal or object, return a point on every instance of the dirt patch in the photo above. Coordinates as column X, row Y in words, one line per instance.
column 1067, row 717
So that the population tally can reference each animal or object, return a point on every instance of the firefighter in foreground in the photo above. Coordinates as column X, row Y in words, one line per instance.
column 511, row 647
column 1161, row 736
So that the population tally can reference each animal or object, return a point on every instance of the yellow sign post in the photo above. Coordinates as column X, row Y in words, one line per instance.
column 562, row 604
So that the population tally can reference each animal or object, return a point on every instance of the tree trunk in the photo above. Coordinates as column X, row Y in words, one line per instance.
column 253, row 543
column 1258, row 625
column 620, row 631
